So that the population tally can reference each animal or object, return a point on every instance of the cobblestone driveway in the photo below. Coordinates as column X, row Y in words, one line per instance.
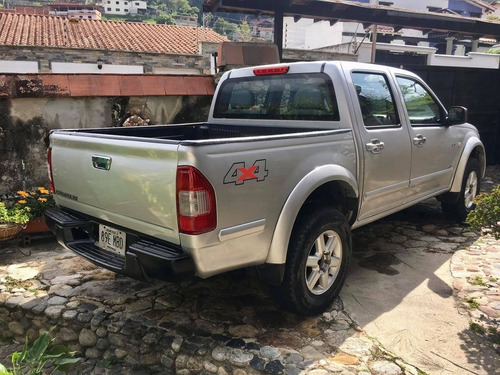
column 227, row 324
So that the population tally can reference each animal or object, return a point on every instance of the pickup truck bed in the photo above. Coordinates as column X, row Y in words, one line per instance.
column 191, row 132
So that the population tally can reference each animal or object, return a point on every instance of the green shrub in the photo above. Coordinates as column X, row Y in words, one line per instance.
column 32, row 360
column 486, row 216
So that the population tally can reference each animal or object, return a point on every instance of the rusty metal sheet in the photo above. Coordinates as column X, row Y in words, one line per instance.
column 80, row 85
column 6, row 86
column 151, row 85
column 130, row 86
column 28, row 86
column 174, row 85
column 55, row 85
column 209, row 85
column 107, row 85
column 195, row 86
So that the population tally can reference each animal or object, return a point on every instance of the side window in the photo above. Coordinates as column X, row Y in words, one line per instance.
column 375, row 100
column 421, row 106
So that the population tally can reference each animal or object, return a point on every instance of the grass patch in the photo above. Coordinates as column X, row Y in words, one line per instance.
column 476, row 328
column 478, row 280
column 11, row 283
column 109, row 361
column 472, row 302
column 495, row 339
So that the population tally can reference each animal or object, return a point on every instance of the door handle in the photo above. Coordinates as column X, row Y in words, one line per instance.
column 101, row 162
column 375, row 146
column 419, row 140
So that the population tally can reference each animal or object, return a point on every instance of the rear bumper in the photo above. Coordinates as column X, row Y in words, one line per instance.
column 145, row 258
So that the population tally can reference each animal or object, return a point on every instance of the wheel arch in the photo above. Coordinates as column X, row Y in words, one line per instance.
column 474, row 148
column 327, row 185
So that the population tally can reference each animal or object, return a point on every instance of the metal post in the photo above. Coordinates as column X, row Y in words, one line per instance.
column 278, row 31
column 475, row 44
column 449, row 45
column 374, row 44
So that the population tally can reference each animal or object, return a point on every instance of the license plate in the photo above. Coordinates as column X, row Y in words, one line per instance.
column 112, row 240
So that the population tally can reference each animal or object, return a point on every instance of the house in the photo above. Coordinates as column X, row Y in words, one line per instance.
column 62, row 45
column 353, row 37
column 63, row 9
column 124, row 7
column 184, row 20
column 74, row 10
column 51, row 76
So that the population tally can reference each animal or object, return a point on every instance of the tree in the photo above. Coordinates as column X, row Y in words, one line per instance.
column 165, row 19
column 224, row 27
column 245, row 31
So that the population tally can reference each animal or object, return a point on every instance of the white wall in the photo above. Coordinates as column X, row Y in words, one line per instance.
column 420, row 4
column 21, row 67
column 307, row 34
column 472, row 60
column 124, row 6
column 62, row 67
column 178, row 71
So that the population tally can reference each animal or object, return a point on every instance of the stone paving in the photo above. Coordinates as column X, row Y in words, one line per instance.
column 476, row 270
column 225, row 325
column 229, row 324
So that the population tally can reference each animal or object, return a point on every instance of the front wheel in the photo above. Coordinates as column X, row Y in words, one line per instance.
column 471, row 184
column 317, row 261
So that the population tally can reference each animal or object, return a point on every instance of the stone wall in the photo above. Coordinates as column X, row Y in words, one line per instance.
column 25, row 124
column 46, row 55
column 312, row 55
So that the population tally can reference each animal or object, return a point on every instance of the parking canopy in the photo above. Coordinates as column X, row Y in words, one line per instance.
column 367, row 14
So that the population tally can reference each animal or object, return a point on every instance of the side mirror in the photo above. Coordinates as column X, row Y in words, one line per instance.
column 456, row 116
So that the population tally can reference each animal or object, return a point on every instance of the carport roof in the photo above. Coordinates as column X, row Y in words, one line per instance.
column 367, row 14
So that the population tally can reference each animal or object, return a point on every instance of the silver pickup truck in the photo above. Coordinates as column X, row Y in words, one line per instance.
column 292, row 157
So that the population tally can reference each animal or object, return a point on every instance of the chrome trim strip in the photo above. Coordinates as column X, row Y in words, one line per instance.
column 242, row 230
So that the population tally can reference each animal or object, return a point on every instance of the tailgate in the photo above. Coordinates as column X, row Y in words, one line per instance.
column 129, row 183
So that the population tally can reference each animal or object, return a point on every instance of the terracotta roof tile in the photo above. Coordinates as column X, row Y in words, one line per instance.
column 51, row 31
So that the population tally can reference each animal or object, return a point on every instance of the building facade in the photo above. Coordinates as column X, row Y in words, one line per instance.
column 350, row 36
column 65, row 45
column 124, row 7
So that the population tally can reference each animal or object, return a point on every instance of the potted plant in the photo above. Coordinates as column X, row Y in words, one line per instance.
column 36, row 201
column 12, row 218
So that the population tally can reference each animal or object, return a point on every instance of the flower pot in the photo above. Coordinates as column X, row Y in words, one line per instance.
column 35, row 226
column 9, row 230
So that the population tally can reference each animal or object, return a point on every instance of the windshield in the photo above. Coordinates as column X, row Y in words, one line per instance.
column 279, row 97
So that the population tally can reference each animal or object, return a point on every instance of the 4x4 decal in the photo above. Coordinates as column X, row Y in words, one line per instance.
column 239, row 173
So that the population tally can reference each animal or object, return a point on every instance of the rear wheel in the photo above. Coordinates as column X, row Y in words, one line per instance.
column 471, row 184
column 317, row 262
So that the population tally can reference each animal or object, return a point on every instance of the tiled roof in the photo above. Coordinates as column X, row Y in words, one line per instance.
column 52, row 31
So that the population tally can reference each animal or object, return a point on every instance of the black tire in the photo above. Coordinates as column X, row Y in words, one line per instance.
column 471, row 185
column 330, row 228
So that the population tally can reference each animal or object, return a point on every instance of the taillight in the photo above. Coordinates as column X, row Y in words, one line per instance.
column 49, row 170
column 271, row 71
column 196, row 211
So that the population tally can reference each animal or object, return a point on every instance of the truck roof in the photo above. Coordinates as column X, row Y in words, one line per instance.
column 312, row 67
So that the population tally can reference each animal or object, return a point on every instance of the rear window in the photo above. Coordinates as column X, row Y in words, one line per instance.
column 278, row 97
